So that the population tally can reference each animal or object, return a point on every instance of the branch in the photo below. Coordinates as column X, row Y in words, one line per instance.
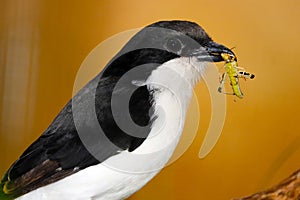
column 288, row 189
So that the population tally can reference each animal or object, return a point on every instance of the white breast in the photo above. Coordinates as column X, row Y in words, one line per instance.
column 123, row 174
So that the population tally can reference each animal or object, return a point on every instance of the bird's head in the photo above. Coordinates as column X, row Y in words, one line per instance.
column 183, row 38
column 164, row 41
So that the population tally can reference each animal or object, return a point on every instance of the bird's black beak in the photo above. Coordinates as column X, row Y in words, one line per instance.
column 212, row 52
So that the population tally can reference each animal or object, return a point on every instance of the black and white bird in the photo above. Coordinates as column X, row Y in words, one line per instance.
column 121, row 128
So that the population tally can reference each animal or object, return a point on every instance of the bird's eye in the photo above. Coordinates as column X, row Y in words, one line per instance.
column 173, row 45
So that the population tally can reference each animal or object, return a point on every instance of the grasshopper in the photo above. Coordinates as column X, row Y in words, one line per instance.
column 234, row 73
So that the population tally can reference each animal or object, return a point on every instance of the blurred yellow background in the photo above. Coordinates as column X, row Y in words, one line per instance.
column 44, row 42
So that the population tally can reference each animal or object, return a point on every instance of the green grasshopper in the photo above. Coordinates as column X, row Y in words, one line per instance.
column 234, row 73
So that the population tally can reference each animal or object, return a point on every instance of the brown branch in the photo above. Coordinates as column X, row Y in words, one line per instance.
column 288, row 189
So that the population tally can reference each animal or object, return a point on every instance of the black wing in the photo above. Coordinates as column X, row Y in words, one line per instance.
column 64, row 148
column 60, row 151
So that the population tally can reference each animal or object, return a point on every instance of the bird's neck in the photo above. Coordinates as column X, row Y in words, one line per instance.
column 172, row 84
column 177, row 77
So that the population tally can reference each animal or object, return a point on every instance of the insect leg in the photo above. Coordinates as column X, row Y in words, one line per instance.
column 222, row 81
column 221, row 86
column 240, row 68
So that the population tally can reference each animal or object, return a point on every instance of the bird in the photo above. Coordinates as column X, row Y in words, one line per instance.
column 122, row 127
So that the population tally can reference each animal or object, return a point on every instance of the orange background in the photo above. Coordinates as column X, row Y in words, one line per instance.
column 43, row 43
